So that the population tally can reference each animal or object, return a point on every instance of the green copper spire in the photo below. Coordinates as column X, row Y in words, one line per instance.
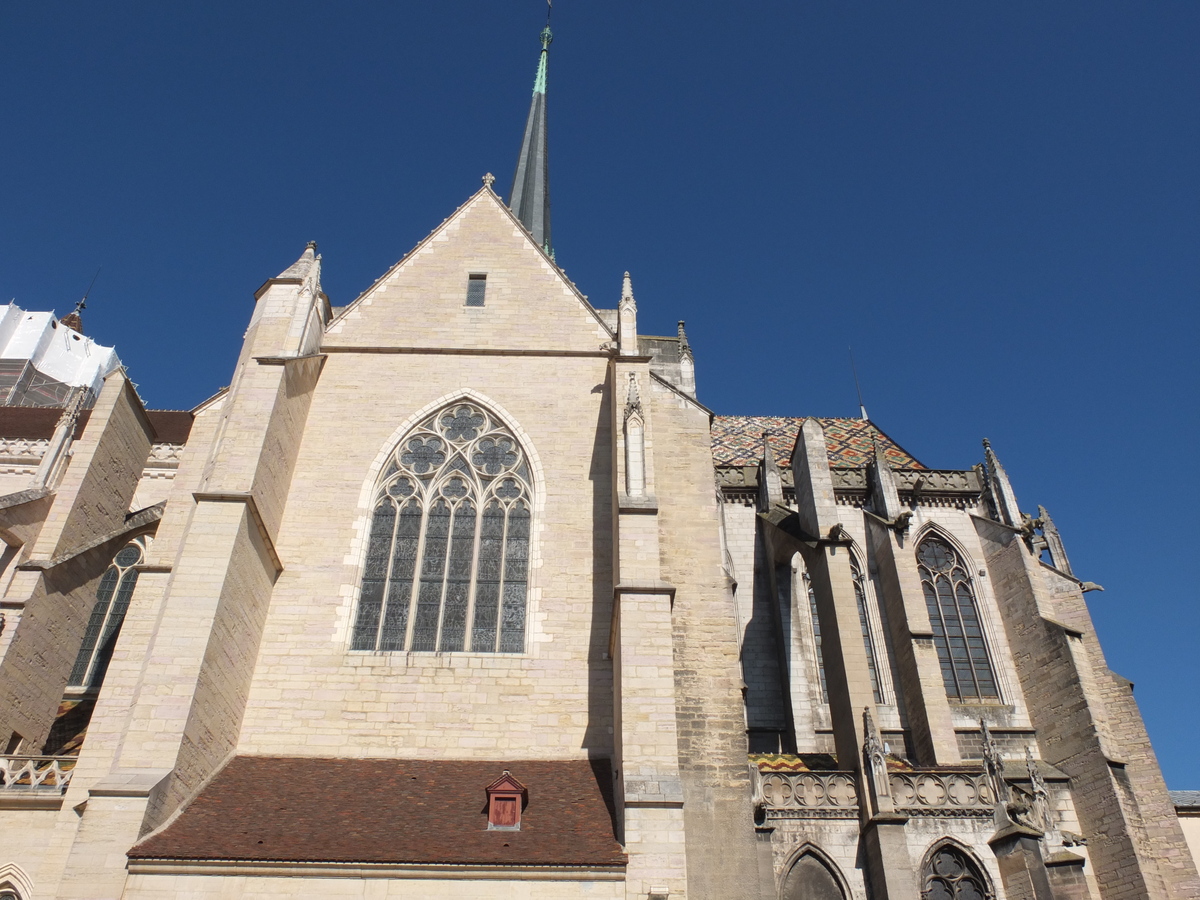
column 530, row 199
column 539, row 82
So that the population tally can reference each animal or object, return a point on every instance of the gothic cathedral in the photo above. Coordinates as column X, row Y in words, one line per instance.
column 460, row 591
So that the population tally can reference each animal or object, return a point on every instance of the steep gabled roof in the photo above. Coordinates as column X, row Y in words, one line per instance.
column 737, row 441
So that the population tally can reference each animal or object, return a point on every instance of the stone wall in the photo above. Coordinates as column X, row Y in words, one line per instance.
column 54, row 586
column 373, row 887
column 313, row 695
column 721, row 852
column 1059, row 662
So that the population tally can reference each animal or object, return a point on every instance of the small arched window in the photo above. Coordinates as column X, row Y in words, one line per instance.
column 950, row 874
column 954, row 616
column 112, row 602
column 448, row 551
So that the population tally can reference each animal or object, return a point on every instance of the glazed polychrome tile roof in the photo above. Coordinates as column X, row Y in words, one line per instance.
column 737, row 441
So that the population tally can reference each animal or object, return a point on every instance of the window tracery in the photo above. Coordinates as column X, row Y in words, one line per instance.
column 112, row 602
column 950, row 874
column 448, row 548
column 954, row 615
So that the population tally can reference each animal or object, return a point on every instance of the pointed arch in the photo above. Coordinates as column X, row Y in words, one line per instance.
column 14, row 880
column 950, row 870
column 934, row 528
column 446, row 556
column 810, row 874
column 863, row 597
column 113, row 595
column 469, row 395
column 804, row 584
column 944, row 566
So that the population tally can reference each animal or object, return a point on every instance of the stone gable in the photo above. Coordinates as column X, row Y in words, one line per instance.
column 529, row 305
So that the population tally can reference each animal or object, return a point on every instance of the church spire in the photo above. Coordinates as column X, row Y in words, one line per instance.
column 531, row 185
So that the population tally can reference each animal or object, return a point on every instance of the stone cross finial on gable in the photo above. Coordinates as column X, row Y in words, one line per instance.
column 488, row 179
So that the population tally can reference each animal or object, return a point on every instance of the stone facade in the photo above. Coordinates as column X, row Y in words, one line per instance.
column 673, row 597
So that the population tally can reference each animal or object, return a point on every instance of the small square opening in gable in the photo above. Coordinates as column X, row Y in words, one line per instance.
column 476, row 289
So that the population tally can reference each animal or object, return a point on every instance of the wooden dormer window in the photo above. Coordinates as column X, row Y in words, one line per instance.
column 506, row 799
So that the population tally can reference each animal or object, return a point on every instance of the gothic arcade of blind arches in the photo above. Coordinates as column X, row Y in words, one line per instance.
column 447, row 561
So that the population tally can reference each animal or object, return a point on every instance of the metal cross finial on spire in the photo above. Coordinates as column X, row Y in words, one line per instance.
column 854, row 370
column 73, row 319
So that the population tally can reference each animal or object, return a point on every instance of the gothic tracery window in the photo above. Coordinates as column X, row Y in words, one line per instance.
column 112, row 602
column 954, row 616
column 952, row 875
column 448, row 550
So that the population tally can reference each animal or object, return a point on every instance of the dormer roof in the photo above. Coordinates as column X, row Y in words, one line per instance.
column 508, row 784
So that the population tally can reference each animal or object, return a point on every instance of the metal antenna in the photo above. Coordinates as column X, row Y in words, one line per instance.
column 82, row 304
column 861, row 409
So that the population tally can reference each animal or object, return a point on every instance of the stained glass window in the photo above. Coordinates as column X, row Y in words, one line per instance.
column 449, row 539
column 952, row 875
column 104, row 626
column 954, row 616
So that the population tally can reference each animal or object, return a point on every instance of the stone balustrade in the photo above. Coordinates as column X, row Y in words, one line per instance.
column 820, row 794
column 928, row 793
column 36, row 773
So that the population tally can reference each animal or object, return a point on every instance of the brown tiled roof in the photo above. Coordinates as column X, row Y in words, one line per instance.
column 30, row 422
column 171, row 426
column 737, row 441
column 393, row 811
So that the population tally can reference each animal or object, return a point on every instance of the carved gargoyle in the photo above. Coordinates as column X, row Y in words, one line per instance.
column 1021, row 813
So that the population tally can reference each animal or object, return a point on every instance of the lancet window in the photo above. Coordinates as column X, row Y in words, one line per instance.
column 447, row 562
column 816, row 630
column 112, row 602
column 860, row 596
column 957, row 630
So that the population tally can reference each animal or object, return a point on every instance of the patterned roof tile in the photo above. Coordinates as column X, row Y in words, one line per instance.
column 737, row 441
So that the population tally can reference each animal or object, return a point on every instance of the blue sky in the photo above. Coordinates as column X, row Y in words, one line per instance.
column 997, row 205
